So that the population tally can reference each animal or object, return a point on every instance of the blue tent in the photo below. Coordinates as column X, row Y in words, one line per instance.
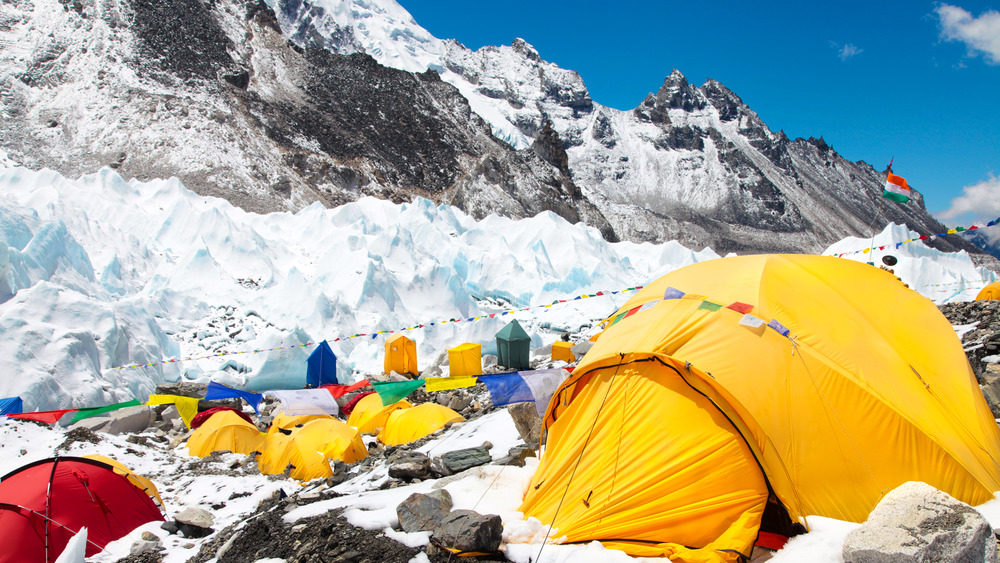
column 11, row 405
column 321, row 367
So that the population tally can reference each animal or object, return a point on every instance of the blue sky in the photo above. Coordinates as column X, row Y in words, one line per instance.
column 917, row 81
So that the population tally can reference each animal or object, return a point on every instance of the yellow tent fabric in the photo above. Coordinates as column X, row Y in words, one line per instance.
column 465, row 359
column 400, row 355
column 288, row 422
column 309, row 448
column 991, row 291
column 225, row 431
column 407, row 425
column 369, row 415
column 694, row 402
column 561, row 351
column 137, row 480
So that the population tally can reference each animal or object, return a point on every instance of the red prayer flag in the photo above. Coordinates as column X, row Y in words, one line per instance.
column 740, row 307
column 50, row 417
column 340, row 390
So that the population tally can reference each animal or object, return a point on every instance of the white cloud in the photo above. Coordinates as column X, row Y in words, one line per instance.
column 980, row 34
column 978, row 202
column 846, row 51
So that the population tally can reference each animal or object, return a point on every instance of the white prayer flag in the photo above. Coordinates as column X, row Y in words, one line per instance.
column 306, row 401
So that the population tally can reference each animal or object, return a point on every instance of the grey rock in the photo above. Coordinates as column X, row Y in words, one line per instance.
column 129, row 420
column 527, row 422
column 466, row 530
column 94, row 423
column 517, row 455
column 420, row 512
column 459, row 403
column 170, row 527
column 410, row 465
column 146, row 546
column 991, row 392
column 195, row 517
column 915, row 523
column 581, row 348
column 460, row 460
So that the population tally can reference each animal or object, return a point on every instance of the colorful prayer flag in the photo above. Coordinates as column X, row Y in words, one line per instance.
column 50, row 417
column 778, row 327
column 896, row 188
column 217, row 391
column 751, row 321
column 306, row 401
column 187, row 407
column 394, row 391
column 94, row 411
column 445, row 383
column 709, row 306
column 673, row 293
column 740, row 307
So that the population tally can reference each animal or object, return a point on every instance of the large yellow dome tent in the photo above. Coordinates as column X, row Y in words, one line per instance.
column 992, row 291
column 284, row 421
column 309, row 448
column 816, row 382
column 408, row 425
column 225, row 431
column 369, row 415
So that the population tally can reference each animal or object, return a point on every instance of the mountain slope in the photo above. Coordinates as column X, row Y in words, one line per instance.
column 214, row 94
column 333, row 100
column 692, row 164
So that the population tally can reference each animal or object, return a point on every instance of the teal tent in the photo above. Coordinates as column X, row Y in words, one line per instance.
column 513, row 347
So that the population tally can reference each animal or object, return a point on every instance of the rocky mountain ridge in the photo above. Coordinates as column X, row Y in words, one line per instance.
column 332, row 100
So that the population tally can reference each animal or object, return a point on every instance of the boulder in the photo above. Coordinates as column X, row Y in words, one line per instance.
column 148, row 543
column 991, row 392
column 517, row 455
column 527, row 422
column 460, row 460
column 410, row 465
column 580, row 349
column 194, row 522
column 420, row 512
column 459, row 402
column 94, row 423
column 129, row 420
column 916, row 522
column 466, row 530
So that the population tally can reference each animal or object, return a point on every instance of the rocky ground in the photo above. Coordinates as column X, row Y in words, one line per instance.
column 243, row 534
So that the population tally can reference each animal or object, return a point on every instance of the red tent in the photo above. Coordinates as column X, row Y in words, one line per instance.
column 349, row 407
column 201, row 417
column 43, row 504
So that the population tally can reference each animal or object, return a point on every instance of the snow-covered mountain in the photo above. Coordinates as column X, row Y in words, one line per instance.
column 689, row 164
column 276, row 107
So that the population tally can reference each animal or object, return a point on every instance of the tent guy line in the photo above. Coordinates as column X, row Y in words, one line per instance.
column 374, row 335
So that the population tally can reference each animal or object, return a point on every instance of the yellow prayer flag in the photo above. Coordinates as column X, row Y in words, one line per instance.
column 445, row 383
column 187, row 407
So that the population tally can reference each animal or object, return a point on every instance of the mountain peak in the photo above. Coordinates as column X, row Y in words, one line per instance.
column 526, row 49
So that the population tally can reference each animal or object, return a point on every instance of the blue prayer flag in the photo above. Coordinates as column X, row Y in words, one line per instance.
column 507, row 388
column 217, row 391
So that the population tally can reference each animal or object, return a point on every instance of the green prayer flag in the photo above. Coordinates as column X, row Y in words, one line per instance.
column 709, row 306
column 94, row 411
column 394, row 391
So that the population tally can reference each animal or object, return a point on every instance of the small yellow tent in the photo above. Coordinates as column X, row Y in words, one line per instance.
column 562, row 351
column 225, row 431
column 288, row 422
column 400, row 355
column 369, row 415
column 991, row 291
column 783, row 385
column 465, row 359
column 137, row 480
column 407, row 425
column 309, row 448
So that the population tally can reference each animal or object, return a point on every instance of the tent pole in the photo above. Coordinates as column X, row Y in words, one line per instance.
column 48, row 502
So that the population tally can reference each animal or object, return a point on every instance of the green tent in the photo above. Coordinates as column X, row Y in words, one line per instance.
column 513, row 347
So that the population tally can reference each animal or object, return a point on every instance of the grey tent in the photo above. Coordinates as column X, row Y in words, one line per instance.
column 513, row 347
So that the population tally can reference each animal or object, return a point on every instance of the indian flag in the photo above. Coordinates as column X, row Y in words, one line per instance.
column 896, row 188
